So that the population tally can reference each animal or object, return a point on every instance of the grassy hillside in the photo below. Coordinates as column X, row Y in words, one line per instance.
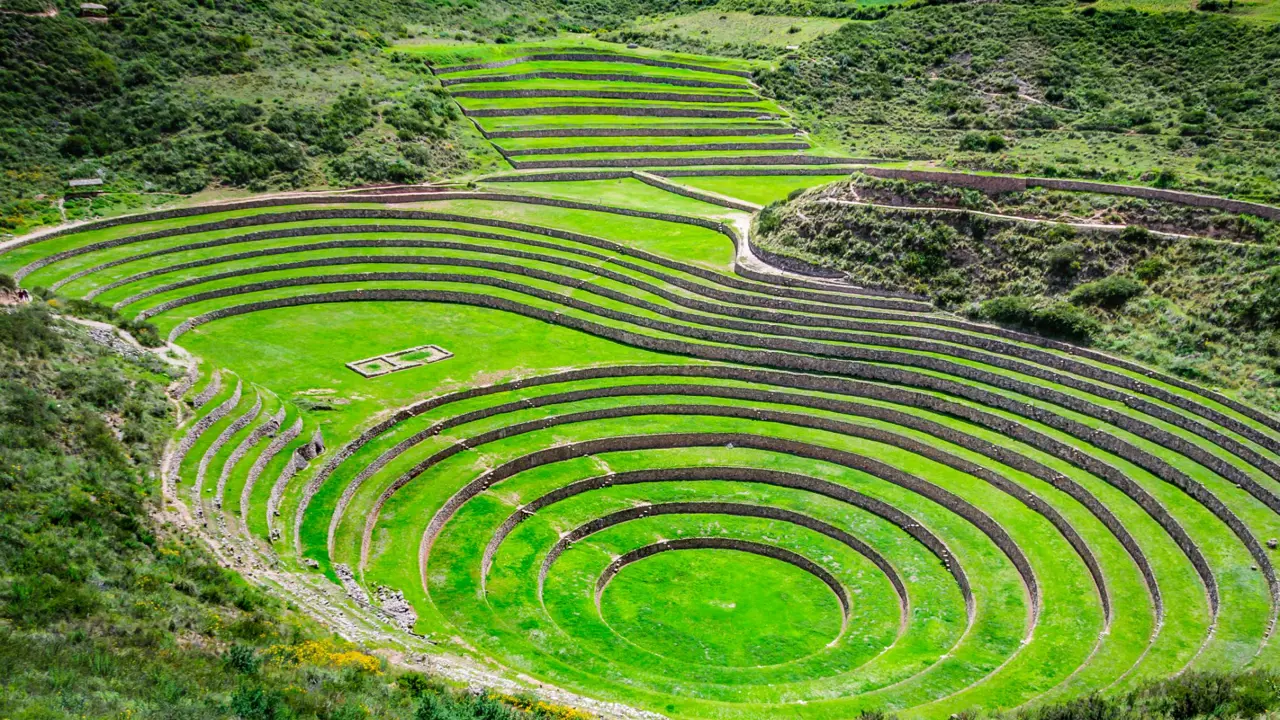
column 176, row 97
column 1197, row 296
column 1188, row 99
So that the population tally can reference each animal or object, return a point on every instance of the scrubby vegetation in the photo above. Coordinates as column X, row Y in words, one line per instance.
column 180, row 97
column 1042, row 87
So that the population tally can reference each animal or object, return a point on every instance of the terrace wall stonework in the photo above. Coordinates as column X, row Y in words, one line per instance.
column 657, row 162
column 773, row 478
column 689, row 192
column 197, row 430
column 1072, row 402
column 560, row 453
column 273, row 449
column 992, row 330
column 587, row 57
column 625, row 110
column 817, row 365
column 998, row 184
column 727, row 131
column 684, row 147
column 704, row 543
column 650, row 95
column 216, row 446
column 267, row 428
column 592, row 77
column 210, row 391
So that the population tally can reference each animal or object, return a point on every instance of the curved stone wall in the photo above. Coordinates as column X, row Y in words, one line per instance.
column 747, row 546
column 661, row 131
column 625, row 110
column 684, row 147
column 995, row 184
column 834, row 367
column 560, row 453
column 273, row 449
column 690, row 192
column 713, row 508
column 216, row 446
column 658, row 162
column 267, row 428
column 594, row 77
column 587, row 57
column 652, row 96
column 209, row 392
column 198, row 429
column 895, row 417
column 1154, row 434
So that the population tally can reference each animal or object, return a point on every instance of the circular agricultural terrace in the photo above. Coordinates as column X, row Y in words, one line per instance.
column 576, row 429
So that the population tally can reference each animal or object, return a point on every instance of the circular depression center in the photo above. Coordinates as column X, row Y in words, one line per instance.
column 722, row 607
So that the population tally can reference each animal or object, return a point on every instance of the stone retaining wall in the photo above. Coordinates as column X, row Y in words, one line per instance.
column 1084, row 352
column 641, row 132
column 793, row 264
column 736, row 510
column 624, row 110
column 649, row 95
column 1072, row 402
column 588, row 57
column 766, row 477
column 719, row 543
column 269, row 427
column 1029, row 499
column 809, row 383
column 193, row 435
column 690, row 192
column 310, row 215
column 1051, row 361
column 995, row 184
column 210, row 390
column 277, row 444
column 593, row 77
column 568, row 451
column 835, row 367
column 216, row 446
column 666, row 162
column 684, row 147
column 760, row 397
column 763, row 171
column 183, row 384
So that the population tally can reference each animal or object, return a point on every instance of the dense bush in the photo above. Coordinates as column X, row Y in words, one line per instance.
column 1055, row 319
column 1109, row 293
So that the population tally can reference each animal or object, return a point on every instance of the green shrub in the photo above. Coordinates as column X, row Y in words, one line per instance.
column 1059, row 319
column 27, row 331
column 768, row 220
column 982, row 142
column 1064, row 260
column 1110, row 292
column 1150, row 269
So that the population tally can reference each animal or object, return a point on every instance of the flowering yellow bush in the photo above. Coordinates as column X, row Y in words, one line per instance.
column 324, row 653
column 545, row 709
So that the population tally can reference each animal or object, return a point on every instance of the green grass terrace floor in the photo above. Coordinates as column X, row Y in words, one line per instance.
column 588, row 447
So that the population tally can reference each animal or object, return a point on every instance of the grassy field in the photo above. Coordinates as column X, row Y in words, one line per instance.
column 647, row 475
column 717, row 26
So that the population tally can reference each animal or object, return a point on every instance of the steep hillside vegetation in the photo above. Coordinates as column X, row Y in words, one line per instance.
column 1199, row 295
column 1041, row 87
